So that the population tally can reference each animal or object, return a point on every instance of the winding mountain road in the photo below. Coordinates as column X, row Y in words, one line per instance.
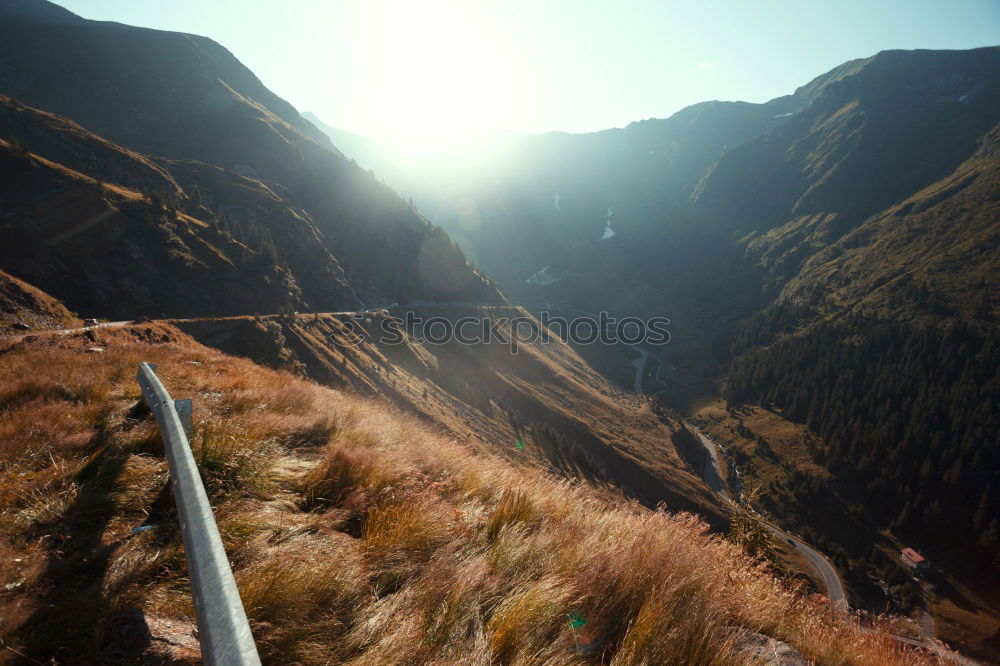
column 63, row 331
column 640, row 367
column 834, row 588
column 713, row 476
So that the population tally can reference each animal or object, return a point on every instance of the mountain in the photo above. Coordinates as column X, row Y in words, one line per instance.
column 919, row 258
column 828, row 261
column 901, row 121
column 223, row 179
column 517, row 202
column 23, row 307
column 355, row 533
column 881, row 245
column 795, row 173
column 535, row 211
column 123, row 237
column 829, row 258
column 567, row 417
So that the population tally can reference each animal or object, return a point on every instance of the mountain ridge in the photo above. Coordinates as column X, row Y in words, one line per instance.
column 829, row 257
column 337, row 223
column 837, row 269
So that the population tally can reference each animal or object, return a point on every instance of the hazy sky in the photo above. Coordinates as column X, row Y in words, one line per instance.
column 394, row 68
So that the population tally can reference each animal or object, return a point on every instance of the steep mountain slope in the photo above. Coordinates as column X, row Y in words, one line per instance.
column 853, row 228
column 907, row 398
column 168, row 94
column 206, row 116
column 545, row 396
column 105, row 246
column 873, row 216
column 934, row 254
column 355, row 534
column 897, row 123
column 519, row 202
column 23, row 307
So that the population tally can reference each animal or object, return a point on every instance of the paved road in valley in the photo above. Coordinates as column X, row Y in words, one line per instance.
column 712, row 469
column 713, row 477
column 640, row 366
column 834, row 588
column 712, row 474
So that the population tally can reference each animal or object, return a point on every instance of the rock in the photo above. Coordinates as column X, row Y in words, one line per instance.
column 137, row 638
column 769, row 651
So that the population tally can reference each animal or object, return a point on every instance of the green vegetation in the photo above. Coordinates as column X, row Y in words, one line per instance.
column 913, row 454
column 749, row 530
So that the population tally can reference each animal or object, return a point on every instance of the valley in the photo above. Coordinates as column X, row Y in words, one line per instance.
column 824, row 267
column 818, row 256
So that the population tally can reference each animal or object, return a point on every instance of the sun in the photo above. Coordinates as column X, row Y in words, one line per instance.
column 436, row 74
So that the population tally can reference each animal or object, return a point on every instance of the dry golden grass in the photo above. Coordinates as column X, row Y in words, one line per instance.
column 357, row 535
column 232, row 456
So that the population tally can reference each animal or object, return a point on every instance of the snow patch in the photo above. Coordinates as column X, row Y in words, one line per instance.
column 608, row 231
column 545, row 277
column 964, row 99
column 785, row 115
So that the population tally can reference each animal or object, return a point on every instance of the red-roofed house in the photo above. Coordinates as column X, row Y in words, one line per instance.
column 914, row 560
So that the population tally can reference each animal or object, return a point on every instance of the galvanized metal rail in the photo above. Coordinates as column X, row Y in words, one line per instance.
column 223, row 630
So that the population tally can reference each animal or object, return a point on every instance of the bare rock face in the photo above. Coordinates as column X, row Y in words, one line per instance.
column 769, row 651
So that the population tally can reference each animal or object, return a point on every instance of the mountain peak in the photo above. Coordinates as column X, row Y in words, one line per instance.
column 38, row 10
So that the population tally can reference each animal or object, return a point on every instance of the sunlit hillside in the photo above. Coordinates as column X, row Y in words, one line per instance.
column 356, row 534
column 565, row 415
column 516, row 332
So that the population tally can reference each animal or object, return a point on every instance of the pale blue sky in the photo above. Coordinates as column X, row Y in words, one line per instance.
column 392, row 67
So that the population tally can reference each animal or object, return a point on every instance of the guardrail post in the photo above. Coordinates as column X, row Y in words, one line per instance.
column 223, row 630
column 185, row 410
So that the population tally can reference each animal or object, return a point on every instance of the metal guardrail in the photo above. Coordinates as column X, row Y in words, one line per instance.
column 223, row 630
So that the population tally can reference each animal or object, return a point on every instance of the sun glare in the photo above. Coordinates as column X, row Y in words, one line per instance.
column 437, row 74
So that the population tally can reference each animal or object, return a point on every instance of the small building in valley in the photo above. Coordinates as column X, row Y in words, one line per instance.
column 914, row 560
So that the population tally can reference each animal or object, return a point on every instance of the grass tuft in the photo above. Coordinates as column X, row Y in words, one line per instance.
column 231, row 456
column 515, row 506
